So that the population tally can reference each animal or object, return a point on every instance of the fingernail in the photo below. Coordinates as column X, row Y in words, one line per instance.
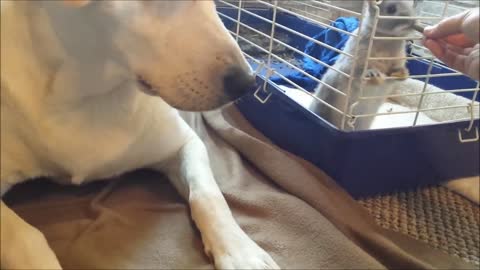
column 428, row 30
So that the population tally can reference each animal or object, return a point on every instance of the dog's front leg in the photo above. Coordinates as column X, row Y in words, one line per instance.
column 23, row 246
column 223, row 238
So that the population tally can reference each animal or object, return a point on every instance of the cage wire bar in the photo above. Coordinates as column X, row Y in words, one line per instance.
column 323, row 13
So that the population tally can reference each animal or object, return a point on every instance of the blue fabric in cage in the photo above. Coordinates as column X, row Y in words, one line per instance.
column 330, row 37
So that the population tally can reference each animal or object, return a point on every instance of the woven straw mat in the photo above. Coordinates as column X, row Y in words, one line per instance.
column 434, row 215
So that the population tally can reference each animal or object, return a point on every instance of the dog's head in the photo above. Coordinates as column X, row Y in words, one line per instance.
column 178, row 50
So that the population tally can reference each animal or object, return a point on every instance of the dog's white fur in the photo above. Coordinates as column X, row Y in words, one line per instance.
column 71, row 109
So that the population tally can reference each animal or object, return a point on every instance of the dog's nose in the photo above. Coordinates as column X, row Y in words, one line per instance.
column 238, row 82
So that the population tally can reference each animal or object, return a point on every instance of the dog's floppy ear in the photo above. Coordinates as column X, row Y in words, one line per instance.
column 76, row 3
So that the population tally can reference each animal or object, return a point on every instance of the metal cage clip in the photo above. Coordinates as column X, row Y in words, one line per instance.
column 262, row 100
column 463, row 140
column 469, row 128
column 263, row 88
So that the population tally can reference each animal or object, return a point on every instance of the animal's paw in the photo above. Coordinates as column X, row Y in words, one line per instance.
column 245, row 260
column 400, row 73
column 240, row 252
column 375, row 77
column 248, row 256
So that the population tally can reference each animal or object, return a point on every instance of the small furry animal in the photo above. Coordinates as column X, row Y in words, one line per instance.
column 376, row 71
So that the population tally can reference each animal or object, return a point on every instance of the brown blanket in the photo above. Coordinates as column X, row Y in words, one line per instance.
column 293, row 210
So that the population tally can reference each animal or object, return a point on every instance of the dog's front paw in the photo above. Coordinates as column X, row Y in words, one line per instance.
column 245, row 256
column 240, row 252
column 400, row 73
column 375, row 77
column 246, row 260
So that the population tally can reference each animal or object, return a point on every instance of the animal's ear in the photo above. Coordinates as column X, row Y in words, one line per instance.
column 76, row 3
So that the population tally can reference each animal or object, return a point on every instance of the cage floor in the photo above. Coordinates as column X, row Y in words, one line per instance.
column 264, row 42
column 435, row 215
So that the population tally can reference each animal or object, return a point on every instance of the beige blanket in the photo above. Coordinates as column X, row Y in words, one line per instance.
column 293, row 210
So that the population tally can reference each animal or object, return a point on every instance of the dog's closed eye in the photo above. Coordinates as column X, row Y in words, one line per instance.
column 145, row 86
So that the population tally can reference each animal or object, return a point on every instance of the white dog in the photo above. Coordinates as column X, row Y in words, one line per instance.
column 71, row 108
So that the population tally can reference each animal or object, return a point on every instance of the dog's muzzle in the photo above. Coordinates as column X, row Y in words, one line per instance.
column 237, row 82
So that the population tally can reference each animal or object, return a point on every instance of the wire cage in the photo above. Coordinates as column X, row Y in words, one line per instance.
column 425, row 129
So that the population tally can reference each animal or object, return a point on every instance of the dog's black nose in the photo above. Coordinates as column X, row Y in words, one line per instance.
column 238, row 82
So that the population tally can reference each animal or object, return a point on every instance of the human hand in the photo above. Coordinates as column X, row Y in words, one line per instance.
column 455, row 41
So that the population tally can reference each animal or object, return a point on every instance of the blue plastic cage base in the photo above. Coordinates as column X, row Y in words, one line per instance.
column 363, row 162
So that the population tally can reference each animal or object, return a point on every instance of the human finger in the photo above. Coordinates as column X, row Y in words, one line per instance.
column 463, row 60
column 459, row 50
column 454, row 60
column 460, row 40
column 435, row 47
column 465, row 22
